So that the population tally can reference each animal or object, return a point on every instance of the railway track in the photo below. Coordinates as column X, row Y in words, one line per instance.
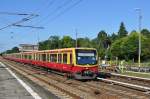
column 67, row 88
column 145, row 82
column 136, row 87
column 70, row 88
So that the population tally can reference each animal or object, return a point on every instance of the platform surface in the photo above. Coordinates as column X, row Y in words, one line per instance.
column 10, row 88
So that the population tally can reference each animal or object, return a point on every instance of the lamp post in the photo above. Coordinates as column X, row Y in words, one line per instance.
column 139, row 27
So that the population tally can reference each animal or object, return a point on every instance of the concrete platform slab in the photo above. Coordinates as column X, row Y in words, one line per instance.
column 10, row 88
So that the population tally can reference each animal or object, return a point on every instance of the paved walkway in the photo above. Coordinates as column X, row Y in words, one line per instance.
column 10, row 87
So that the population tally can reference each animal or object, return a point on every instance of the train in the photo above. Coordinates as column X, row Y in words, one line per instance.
column 79, row 63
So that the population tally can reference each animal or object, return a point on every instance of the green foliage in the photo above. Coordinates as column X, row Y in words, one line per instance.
column 122, row 31
column 103, row 41
column 67, row 42
column 13, row 50
column 84, row 42
column 52, row 43
column 127, row 47
column 145, row 32
column 113, row 37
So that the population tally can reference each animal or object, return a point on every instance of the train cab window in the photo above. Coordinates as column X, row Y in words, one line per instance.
column 59, row 58
column 65, row 58
column 43, row 57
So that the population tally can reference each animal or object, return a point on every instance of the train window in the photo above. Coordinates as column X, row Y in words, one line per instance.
column 53, row 57
column 29, row 56
column 65, row 58
column 70, row 58
column 59, row 58
column 19, row 56
column 40, row 57
column 22, row 56
column 25, row 56
column 48, row 57
column 34, row 55
column 36, row 58
column 43, row 57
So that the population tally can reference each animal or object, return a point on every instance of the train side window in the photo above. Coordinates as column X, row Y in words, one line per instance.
column 34, row 56
column 43, row 57
column 65, row 58
column 22, row 56
column 70, row 58
column 40, row 57
column 19, row 55
column 59, row 58
column 25, row 56
column 47, row 57
column 29, row 56
column 37, row 56
column 53, row 57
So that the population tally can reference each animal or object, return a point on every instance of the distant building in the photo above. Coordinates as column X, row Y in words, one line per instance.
column 27, row 47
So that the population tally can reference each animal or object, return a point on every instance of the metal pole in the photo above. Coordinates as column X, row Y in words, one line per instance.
column 76, row 38
column 139, row 26
column 38, row 39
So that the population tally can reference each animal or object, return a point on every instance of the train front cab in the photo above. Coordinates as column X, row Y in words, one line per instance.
column 85, row 64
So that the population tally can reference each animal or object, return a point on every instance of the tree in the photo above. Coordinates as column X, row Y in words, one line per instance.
column 103, row 42
column 122, row 31
column 84, row 42
column 44, row 45
column 52, row 43
column 145, row 32
column 67, row 42
column 13, row 50
column 127, row 47
column 113, row 37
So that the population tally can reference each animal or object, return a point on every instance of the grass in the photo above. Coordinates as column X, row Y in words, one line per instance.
column 137, row 74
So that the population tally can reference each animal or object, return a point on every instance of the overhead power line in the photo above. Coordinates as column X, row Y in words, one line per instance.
column 65, row 10
column 61, row 12
column 29, row 26
column 10, row 13
column 20, row 21
column 53, row 11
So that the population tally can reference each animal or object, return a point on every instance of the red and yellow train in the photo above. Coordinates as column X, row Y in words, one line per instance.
column 81, row 63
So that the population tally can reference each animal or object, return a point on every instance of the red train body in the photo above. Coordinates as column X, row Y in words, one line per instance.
column 81, row 63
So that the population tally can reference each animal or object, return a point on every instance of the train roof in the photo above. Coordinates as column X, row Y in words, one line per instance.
column 62, row 49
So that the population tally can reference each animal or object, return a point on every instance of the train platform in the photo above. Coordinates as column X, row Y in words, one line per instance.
column 12, row 87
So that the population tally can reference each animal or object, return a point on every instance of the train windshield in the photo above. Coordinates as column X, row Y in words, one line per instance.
column 86, row 57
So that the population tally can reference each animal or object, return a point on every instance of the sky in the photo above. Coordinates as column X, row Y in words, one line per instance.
column 64, row 17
